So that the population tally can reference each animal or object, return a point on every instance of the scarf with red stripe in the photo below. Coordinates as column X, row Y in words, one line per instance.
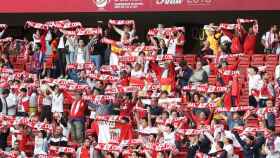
column 121, row 22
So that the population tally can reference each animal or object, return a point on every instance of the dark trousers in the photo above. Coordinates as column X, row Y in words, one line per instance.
column 46, row 114
column 252, row 101
column 61, row 63
column 262, row 103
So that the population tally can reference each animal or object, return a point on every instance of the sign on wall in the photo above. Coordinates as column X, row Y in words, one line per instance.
column 29, row 6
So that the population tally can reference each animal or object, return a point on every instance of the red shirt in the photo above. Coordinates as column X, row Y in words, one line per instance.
column 179, row 48
column 43, row 42
column 250, row 44
column 227, row 100
column 126, row 108
column 198, row 122
column 124, row 81
column 85, row 153
column 171, row 74
column 126, row 131
column 78, row 109
column 236, row 46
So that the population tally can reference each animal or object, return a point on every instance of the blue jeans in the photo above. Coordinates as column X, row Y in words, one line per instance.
column 67, row 58
column 96, row 59
column 70, row 57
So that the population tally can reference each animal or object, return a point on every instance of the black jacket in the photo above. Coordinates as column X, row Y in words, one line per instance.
column 252, row 150
column 219, row 154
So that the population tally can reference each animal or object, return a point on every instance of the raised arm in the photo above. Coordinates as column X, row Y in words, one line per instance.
column 208, row 121
column 119, row 31
column 133, row 31
column 149, row 117
column 259, row 142
column 240, row 141
column 92, row 41
column 2, row 33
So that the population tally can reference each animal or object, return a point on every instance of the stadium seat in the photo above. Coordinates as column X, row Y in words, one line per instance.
column 231, row 60
column 271, row 59
column 277, row 125
column 212, row 79
column 252, row 122
column 191, row 59
column 257, row 57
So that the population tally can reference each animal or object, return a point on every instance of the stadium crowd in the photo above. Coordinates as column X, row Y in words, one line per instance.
column 72, row 91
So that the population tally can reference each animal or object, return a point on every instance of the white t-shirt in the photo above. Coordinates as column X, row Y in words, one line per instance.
column 114, row 59
column 33, row 100
column 254, row 81
column 12, row 101
column 47, row 101
column 40, row 146
column 122, row 33
column 104, row 133
column 169, row 138
column 269, row 38
column 57, row 102
column 137, row 74
column 61, row 42
column 69, row 44
column 230, row 150
column 172, row 46
column 164, row 73
column 80, row 57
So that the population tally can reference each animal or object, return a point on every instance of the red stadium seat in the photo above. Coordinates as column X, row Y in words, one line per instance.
column 257, row 57
column 257, row 63
column 231, row 60
column 179, row 58
column 252, row 122
column 191, row 59
column 277, row 125
column 271, row 57
column 212, row 79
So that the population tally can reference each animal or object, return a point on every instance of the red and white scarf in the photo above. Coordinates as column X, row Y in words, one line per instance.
column 57, row 23
column 227, row 26
column 160, row 147
column 86, row 66
column 82, row 31
column 165, row 31
column 3, row 26
column 122, row 89
column 205, row 88
column 234, row 109
column 58, row 150
column 108, row 147
column 89, row 31
column 99, row 99
column 108, row 41
column 113, row 68
column 121, row 22
column 255, row 24
column 104, row 77
column 36, row 25
column 201, row 105
column 7, row 39
column 127, row 59
column 12, row 120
